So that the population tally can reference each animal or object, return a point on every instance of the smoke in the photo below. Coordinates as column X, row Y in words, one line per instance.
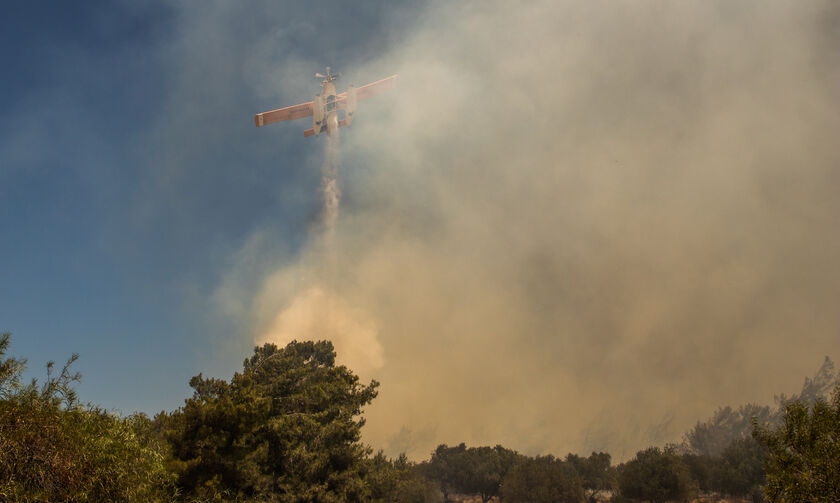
column 330, row 189
column 316, row 311
column 577, row 225
column 316, row 314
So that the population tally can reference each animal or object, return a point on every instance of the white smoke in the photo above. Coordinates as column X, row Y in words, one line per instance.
column 330, row 188
column 312, row 309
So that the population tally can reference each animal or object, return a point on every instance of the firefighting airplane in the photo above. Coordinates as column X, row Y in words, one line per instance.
column 324, row 108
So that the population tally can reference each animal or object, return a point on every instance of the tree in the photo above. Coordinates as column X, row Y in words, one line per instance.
column 712, row 437
column 804, row 452
column 595, row 471
column 815, row 388
column 286, row 428
column 543, row 479
column 448, row 467
column 477, row 470
column 657, row 476
column 703, row 470
column 488, row 467
column 740, row 469
column 53, row 449
column 399, row 481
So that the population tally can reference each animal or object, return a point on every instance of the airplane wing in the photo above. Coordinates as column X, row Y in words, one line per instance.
column 372, row 89
column 284, row 114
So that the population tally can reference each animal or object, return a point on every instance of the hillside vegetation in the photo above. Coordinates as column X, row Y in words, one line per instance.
column 287, row 428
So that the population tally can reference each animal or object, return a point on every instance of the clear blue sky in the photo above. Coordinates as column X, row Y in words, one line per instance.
column 117, row 217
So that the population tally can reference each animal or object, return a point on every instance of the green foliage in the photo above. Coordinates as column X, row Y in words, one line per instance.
column 488, row 467
column 448, row 467
column 703, row 470
column 399, row 481
column 52, row 449
column 596, row 472
column 10, row 370
column 287, row 429
column 477, row 470
column 284, row 429
column 740, row 469
column 723, row 455
column 711, row 437
column 657, row 476
column 543, row 479
column 804, row 459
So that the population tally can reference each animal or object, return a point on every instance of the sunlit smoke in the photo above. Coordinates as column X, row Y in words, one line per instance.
column 313, row 310
column 317, row 314
column 578, row 225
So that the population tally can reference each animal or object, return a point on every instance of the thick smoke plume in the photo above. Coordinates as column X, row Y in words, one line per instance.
column 316, row 311
column 581, row 226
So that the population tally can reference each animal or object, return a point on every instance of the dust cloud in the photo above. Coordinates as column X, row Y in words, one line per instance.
column 580, row 226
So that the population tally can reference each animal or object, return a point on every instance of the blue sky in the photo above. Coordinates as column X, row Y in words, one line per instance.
column 117, row 217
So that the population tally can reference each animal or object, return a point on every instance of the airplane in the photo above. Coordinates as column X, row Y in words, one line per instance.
column 324, row 108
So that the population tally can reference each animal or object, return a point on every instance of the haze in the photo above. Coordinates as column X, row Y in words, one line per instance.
column 573, row 226
column 577, row 226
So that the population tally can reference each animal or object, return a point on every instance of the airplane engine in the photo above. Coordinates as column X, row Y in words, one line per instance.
column 350, row 105
column 317, row 113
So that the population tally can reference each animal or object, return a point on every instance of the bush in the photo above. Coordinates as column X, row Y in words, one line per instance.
column 543, row 480
column 657, row 476
column 740, row 469
column 399, row 481
column 804, row 452
column 55, row 450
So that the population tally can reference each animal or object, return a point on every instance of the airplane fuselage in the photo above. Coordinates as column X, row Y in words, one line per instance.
column 330, row 98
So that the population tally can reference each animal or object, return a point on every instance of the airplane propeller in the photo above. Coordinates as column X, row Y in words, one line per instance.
column 329, row 76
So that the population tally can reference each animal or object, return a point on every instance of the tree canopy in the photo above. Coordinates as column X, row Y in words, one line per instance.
column 595, row 471
column 286, row 426
column 543, row 479
column 287, row 429
column 804, row 452
column 474, row 470
column 656, row 475
column 400, row 481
